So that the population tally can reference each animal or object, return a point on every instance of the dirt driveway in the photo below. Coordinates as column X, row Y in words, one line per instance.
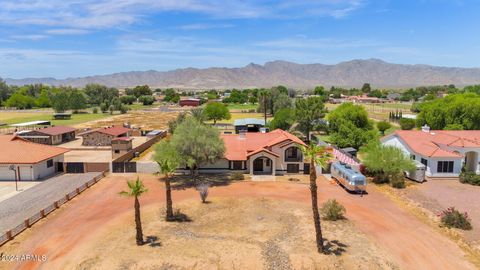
column 411, row 243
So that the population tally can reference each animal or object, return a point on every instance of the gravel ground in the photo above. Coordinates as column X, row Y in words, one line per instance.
column 16, row 209
column 439, row 195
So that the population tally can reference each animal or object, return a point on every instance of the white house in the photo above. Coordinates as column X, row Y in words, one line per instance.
column 443, row 152
column 268, row 153
column 27, row 161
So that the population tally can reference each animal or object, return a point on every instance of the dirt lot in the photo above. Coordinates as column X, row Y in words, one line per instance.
column 436, row 196
column 144, row 119
column 245, row 224
column 88, row 156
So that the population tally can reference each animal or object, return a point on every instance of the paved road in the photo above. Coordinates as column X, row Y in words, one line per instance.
column 16, row 209
column 413, row 244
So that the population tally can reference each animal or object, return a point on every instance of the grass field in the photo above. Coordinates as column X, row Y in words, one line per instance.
column 140, row 106
column 236, row 115
column 379, row 111
column 19, row 117
column 248, row 106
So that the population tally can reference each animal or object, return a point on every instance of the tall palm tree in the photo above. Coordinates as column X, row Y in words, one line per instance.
column 136, row 189
column 167, row 158
column 264, row 95
column 316, row 155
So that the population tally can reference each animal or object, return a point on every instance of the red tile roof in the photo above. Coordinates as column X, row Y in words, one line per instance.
column 16, row 150
column 56, row 130
column 238, row 148
column 436, row 142
column 114, row 131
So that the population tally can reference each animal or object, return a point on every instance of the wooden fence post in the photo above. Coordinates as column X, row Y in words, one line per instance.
column 67, row 197
column 27, row 223
column 42, row 213
column 9, row 235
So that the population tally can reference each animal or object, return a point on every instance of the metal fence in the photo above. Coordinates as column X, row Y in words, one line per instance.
column 27, row 223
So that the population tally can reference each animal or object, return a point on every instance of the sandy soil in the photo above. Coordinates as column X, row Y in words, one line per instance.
column 68, row 234
column 436, row 196
column 144, row 119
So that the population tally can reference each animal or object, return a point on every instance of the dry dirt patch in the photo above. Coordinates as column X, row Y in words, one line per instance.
column 229, row 233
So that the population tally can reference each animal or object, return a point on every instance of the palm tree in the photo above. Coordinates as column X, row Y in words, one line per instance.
column 136, row 189
column 317, row 155
column 167, row 158
column 264, row 94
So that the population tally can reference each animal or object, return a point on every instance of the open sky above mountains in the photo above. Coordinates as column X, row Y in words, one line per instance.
column 54, row 38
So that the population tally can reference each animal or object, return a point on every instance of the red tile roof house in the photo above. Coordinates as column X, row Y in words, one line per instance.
column 443, row 152
column 104, row 136
column 271, row 153
column 49, row 135
column 31, row 161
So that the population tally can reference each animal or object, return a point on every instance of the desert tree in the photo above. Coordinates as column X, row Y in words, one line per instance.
column 168, row 161
column 307, row 113
column 382, row 126
column 135, row 190
column 199, row 114
column 316, row 155
column 197, row 144
column 216, row 111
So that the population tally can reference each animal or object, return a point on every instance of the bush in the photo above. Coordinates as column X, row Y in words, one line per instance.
column 237, row 176
column 146, row 100
column 95, row 110
column 407, row 123
column 333, row 210
column 470, row 178
column 451, row 217
column 397, row 181
column 203, row 191
column 382, row 126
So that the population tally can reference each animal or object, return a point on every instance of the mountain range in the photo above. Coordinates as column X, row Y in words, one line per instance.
column 353, row 73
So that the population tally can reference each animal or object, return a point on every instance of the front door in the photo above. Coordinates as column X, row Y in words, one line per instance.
column 258, row 165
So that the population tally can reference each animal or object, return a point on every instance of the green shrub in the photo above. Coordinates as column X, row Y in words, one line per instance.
column 333, row 210
column 470, row 178
column 397, row 181
column 407, row 123
column 95, row 110
column 451, row 217
column 237, row 176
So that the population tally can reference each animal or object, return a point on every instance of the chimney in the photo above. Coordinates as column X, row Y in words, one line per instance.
column 426, row 128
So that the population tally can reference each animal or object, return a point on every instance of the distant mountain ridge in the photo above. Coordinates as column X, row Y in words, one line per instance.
column 345, row 74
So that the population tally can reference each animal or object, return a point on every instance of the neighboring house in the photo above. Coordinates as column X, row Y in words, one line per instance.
column 192, row 102
column 271, row 153
column 365, row 99
column 28, row 161
column 49, row 135
column 121, row 146
column 248, row 124
column 104, row 136
column 443, row 152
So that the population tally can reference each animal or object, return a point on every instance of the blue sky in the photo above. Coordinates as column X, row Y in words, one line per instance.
column 70, row 38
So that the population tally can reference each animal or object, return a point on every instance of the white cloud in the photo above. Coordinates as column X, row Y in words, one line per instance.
column 29, row 37
column 67, row 31
column 94, row 14
column 203, row 26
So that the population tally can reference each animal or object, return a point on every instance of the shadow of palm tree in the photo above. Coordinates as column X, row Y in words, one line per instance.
column 187, row 181
column 334, row 247
column 152, row 241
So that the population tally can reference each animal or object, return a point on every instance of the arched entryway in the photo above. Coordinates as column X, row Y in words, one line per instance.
column 262, row 165
column 471, row 161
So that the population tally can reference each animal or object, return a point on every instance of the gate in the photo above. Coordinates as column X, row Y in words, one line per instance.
column 124, row 167
column 75, row 167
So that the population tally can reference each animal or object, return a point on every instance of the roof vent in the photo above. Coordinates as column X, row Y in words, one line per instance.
column 426, row 128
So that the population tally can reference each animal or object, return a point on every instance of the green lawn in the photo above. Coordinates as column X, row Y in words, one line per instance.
column 140, row 106
column 248, row 106
column 20, row 117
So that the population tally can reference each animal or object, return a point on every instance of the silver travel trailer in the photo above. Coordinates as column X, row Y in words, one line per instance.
column 417, row 174
column 350, row 178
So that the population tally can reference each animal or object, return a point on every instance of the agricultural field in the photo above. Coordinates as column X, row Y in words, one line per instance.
column 379, row 111
column 239, row 107
column 14, row 117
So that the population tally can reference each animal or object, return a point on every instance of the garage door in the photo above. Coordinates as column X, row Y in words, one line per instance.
column 6, row 174
column 25, row 173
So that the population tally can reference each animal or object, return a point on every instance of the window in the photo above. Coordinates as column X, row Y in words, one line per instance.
column 292, row 154
column 267, row 162
column 49, row 163
column 292, row 168
column 237, row 165
column 117, row 151
column 412, row 157
column 445, row 167
column 424, row 162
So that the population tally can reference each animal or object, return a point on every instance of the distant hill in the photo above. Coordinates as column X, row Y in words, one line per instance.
column 345, row 74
